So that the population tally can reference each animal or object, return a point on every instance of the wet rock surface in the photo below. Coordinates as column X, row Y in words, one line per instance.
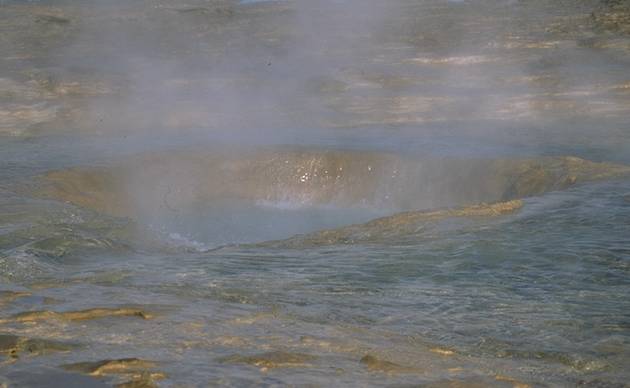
column 7, row 296
column 374, row 364
column 17, row 349
column 15, row 346
column 54, row 378
column 271, row 360
column 396, row 226
column 109, row 367
column 8, row 343
column 96, row 313
column 135, row 372
column 475, row 382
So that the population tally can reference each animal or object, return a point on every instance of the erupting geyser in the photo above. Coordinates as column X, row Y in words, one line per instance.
column 314, row 192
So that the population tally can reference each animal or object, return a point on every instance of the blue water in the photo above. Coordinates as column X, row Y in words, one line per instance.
column 539, row 296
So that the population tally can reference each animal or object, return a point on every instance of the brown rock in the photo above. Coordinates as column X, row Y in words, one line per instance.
column 269, row 360
column 143, row 380
column 9, row 344
column 397, row 225
column 96, row 313
column 10, row 296
column 13, row 345
column 374, row 364
column 111, row 367
column 137, row 372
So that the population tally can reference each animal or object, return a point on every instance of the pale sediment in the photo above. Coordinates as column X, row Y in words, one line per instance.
column 16, row 119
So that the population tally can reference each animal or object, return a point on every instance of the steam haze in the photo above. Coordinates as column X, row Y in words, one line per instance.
column 335, row 71
column 414, row 79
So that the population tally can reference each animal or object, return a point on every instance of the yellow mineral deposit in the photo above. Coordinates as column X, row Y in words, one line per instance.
column 374, row 364
column 8, row 296
column 134, row 372
column 80, row 315
column 272, row 360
